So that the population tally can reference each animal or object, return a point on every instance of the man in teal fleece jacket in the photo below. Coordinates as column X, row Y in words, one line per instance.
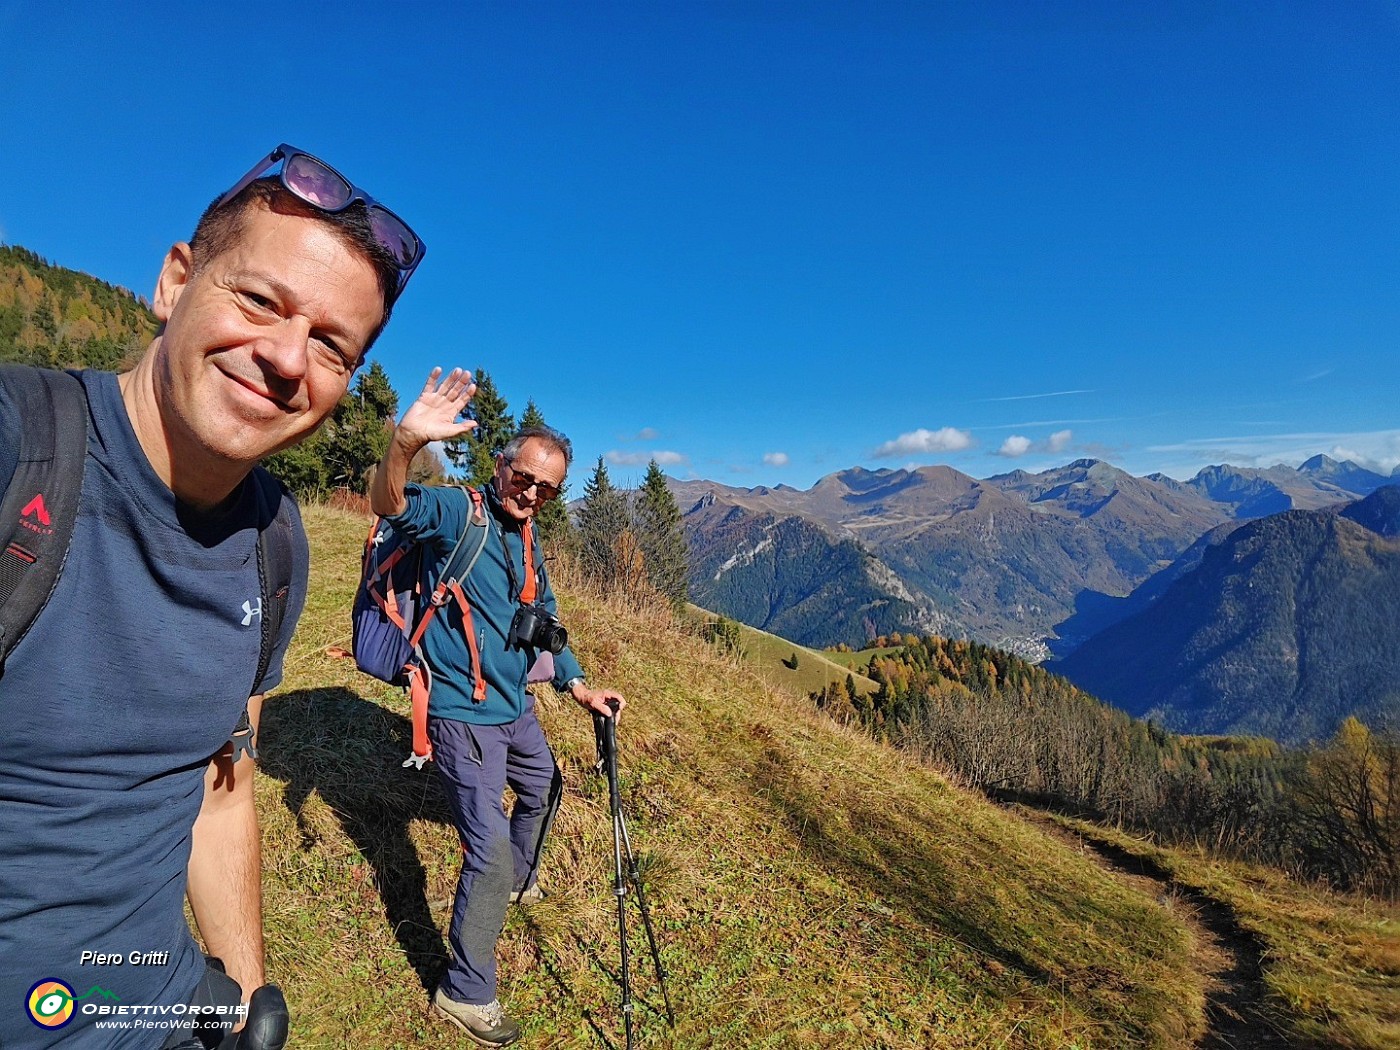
column 481, row 717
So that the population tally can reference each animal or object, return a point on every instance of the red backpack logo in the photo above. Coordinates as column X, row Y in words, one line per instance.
column 35, row 508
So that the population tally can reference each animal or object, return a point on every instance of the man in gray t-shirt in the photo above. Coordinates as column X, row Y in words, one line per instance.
column 114, row 779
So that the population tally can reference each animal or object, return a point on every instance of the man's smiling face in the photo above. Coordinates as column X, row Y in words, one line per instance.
column 260, row 341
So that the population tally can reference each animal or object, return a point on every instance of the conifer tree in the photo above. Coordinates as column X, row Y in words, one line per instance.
column 376, row 394
column 475, row 454
column 602, row 521
column 657, row 521
column 353, row 440
column 552, row 521
column 357, row 435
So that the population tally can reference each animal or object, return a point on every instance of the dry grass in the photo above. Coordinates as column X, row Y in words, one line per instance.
column 811, row 888
column 1331, row 962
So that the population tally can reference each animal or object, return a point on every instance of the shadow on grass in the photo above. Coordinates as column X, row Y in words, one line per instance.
column 565, row 988
column 349, row 751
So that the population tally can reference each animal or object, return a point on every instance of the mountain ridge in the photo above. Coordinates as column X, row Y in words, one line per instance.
column 1013, row 560
column 1282, row 626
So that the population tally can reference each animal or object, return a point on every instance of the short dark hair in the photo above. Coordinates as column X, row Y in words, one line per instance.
column 221, row 227
column 551, row 437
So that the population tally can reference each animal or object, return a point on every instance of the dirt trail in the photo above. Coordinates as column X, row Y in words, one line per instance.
column 1238, row 1016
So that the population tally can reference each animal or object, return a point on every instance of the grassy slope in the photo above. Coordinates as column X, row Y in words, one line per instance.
column 811, row 888
column 815, row 669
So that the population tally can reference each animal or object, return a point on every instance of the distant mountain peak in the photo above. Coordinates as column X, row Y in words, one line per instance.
column 1320, row 462
column 1346, row 475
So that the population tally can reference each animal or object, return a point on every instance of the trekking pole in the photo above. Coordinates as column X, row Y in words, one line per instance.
column 605, row 733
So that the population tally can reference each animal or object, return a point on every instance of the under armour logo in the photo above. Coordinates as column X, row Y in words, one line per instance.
column 35, row 509
column 250, row 610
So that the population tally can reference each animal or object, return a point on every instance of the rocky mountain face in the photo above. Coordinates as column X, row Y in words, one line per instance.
column 1282, row 627
column 1256, row 493
column 1033, row 563
column 794, row 577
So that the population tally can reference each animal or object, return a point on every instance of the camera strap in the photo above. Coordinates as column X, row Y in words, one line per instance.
column 533, row 587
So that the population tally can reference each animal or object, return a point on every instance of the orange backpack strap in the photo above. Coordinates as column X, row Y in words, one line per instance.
column 448, row 588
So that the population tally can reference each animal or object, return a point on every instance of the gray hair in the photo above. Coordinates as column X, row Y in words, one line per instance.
column 551, row 437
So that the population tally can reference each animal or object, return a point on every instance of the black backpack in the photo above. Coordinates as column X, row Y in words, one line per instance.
column 39, row 507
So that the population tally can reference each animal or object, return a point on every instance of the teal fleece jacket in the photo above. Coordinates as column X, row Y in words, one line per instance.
column 435, row 516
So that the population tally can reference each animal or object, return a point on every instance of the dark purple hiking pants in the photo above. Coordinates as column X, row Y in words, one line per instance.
column 498, row 854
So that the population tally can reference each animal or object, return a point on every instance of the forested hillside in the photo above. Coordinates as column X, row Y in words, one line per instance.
column 57, row 317
column 791, row 577
column 1284, row 627
column 1008, row 726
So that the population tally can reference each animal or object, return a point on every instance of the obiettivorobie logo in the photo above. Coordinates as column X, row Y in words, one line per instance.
column 50, row 1001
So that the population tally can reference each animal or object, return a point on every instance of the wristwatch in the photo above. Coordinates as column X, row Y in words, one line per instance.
column 575, row 680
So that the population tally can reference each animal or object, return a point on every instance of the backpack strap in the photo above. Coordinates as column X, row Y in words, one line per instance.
column 275, row 544
column 40, row 504
column 448, row 587
column 274, row 553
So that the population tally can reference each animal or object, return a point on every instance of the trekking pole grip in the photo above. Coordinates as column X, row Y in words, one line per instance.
column 268, row 1021
column 605, row 736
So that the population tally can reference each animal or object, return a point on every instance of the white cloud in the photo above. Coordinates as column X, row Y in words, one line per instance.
column 1382, row 458
column 921, row 441
column 1032, row 397
column 776, row 459
column 1377, row 450
column 1016, row 445
column 1026, row 424
column 640, row 459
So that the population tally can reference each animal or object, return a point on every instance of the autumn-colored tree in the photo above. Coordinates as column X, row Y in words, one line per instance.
column 1351, row 803
column 630, row 574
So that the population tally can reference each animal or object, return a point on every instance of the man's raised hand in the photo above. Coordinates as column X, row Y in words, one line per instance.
column 433, row 417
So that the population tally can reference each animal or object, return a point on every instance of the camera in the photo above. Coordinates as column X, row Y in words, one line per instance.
column 535, row 627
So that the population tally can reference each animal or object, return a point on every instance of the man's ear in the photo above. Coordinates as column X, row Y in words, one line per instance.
column 175, row 273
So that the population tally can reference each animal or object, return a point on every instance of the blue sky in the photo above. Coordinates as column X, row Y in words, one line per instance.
column 768, row 241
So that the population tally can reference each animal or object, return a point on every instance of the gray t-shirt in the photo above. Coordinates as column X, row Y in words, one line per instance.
column 111, row 706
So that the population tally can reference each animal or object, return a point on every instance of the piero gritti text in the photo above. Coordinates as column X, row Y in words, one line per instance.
column 130, row 959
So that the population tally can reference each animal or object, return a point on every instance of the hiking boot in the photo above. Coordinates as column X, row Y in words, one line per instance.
column 529, row 895
column 487, row 1025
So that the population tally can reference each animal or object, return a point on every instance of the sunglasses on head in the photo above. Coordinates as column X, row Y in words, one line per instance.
column 318, row 184
column 523, row 481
